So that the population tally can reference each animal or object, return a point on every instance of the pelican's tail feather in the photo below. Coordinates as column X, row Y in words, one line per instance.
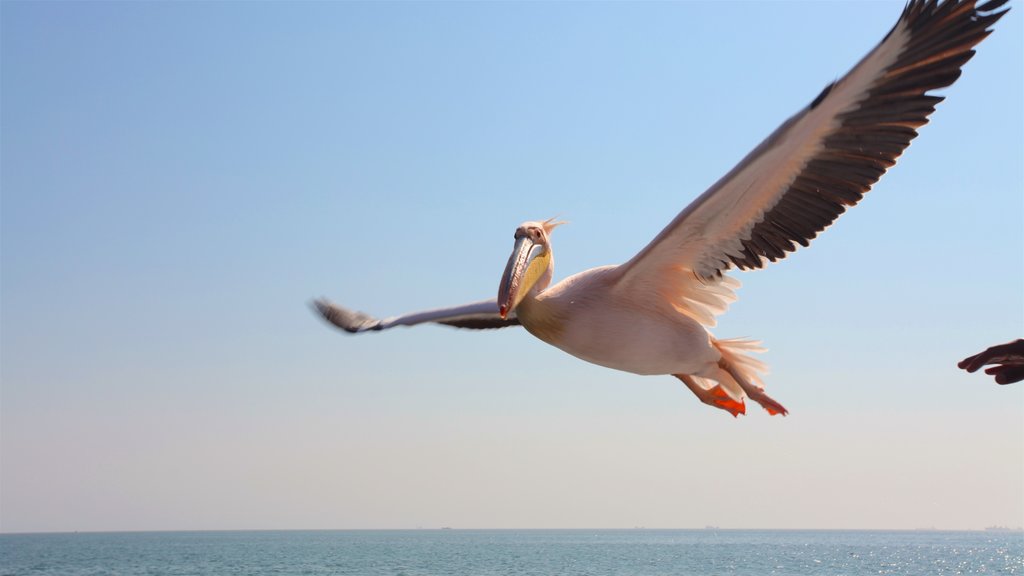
column 737, row 353
column 746, row 371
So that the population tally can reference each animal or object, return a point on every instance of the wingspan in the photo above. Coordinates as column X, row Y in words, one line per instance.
column 823, row 159
column 478, row 315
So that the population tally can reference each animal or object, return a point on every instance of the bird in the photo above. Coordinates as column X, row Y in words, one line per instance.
column 652, row 315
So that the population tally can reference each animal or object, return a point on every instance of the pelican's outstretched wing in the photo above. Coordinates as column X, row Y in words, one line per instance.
column 823, row 159
column 477, row 315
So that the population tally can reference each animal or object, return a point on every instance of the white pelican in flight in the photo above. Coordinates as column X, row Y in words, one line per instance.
column 651, row 315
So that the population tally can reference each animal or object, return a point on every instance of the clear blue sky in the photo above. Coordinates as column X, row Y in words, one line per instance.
column 180, row 179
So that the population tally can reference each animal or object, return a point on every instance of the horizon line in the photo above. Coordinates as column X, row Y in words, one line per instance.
column 473, row 529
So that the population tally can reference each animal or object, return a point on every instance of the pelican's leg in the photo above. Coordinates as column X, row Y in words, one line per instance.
column 756, row 394
column 715, row 396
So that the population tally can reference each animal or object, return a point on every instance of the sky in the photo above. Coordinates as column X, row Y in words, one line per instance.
column 179, row 181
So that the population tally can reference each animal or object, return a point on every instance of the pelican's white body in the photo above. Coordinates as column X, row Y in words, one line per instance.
column 612, row 328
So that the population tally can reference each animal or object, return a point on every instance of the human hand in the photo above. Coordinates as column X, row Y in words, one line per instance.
column 1008, row 360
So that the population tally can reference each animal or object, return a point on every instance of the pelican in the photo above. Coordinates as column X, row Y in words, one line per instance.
column 651, row 315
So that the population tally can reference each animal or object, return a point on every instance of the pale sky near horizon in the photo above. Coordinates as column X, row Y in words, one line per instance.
column 179, row 180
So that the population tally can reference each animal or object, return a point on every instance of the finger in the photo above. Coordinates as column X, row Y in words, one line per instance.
column 1010, row 375
column 1001, row 348
column 966, row 362
column 994, row 354
column 1009, row 350
column 979, row 360
column 972, row 363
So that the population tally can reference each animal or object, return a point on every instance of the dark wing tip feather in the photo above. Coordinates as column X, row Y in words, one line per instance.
column 348, row 320
column 992, row 5
column 872, row 136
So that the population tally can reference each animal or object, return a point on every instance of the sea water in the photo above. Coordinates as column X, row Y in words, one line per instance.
column 514, row 552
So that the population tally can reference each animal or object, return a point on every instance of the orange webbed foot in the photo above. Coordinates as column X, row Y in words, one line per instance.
column 715, row 396
column 718, row 398
column 770, row 405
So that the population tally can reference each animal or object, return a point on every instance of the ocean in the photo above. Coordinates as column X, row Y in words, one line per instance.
column 514, row 552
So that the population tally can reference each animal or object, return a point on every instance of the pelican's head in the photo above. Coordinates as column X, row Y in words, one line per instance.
column 529, row 267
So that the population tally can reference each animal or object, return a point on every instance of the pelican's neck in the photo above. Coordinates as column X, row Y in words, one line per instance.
column 545, row 279
column 542, row 316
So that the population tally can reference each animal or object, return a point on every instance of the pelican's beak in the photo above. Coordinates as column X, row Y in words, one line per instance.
column 516, row 281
